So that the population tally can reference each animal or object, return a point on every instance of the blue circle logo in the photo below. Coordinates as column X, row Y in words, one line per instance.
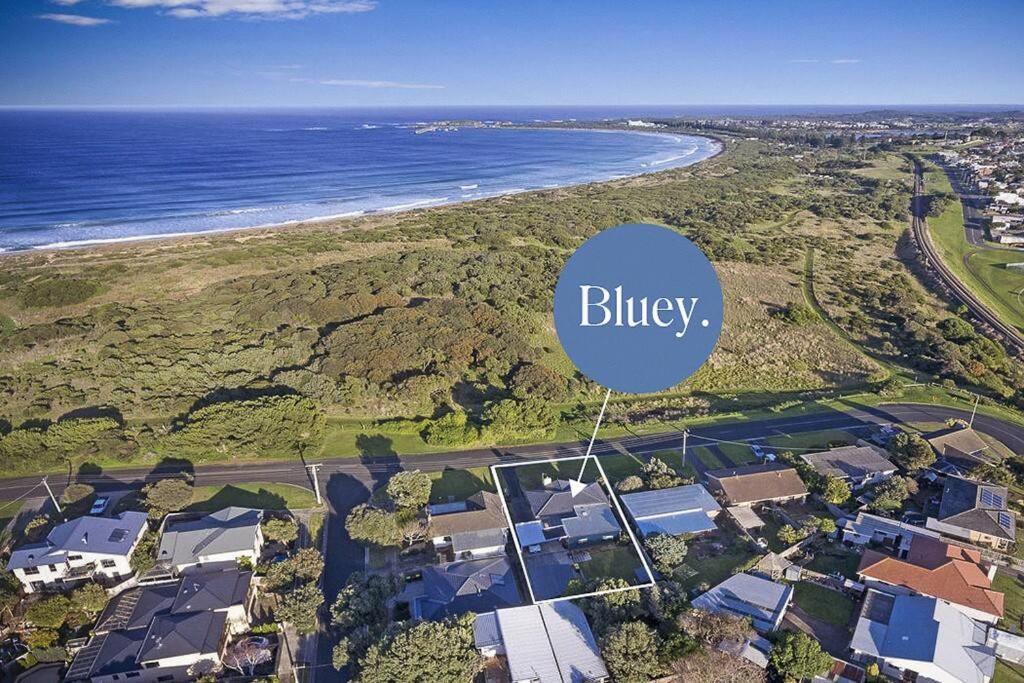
column 638, row 308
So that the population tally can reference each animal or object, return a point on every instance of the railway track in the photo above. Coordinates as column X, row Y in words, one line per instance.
column 996, row 328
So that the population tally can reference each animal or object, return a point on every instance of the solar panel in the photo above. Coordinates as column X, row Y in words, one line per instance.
column 1004, row 520
column 118, row 535
column 986, row 497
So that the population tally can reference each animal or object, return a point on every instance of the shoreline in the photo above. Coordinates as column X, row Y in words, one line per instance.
column 717, row 146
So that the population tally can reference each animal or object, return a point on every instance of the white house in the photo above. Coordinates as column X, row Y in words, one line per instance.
column 82, row 549
column 226, row 535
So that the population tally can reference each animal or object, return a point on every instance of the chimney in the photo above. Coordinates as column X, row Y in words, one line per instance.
column 546, row 480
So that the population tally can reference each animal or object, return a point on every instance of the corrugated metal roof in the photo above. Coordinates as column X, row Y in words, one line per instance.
column 669, row 501
column 550, row 643
column 694, row 522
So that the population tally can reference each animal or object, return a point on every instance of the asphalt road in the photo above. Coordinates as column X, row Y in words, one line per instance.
column 973, row 203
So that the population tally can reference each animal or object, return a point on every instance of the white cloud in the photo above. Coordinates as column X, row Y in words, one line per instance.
column 357, row 83
column 265, row 9
column 66, row 3
column 74, row 19
column 846, row 61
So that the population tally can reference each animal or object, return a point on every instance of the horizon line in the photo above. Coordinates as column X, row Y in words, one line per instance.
column 567, row 105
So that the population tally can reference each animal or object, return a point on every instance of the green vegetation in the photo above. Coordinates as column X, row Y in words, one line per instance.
column 261, row 495
column 616, row 561
column 797, row 656
column 983, row 270
column 1013, row 590
column 453, row 484
column 834, row 559
column 1008, row 673
column 808, row 441
column 823, row 603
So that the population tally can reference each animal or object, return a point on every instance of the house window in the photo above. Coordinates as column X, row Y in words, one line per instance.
column 162, row 679
column 31, row 570
column 108, row 564
column 53, row 568
column 132, row 674
column 73, row 558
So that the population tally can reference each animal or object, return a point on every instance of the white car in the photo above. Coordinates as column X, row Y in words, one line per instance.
column 100, row 505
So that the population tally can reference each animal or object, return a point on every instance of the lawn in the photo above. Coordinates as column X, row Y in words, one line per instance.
column 449, row 485
column 531, row 476
column 615, row 561
column 823, row 603
column 1012, row 587
column 982, row 270
column 1008, row 673
column 713, row 569
column 618, row 467
column 888, row 167
column 830, row 560
column 263, row 495
column 8, row 511
column 707, row 458
column 739, row 454
column 812, row 440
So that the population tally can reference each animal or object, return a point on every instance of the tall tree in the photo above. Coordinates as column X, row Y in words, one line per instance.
column 424, row 651
column 409, row 490
column 797, row 656
column 631, row 652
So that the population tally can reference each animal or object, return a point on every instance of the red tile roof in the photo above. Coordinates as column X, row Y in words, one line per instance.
column 938, row 570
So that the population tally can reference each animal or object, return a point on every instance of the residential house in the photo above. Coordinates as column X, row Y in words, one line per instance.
column 575, row 512
column 82, row 549
column 474, row 528
column 746, row 596
column 961, row 446
column 767, row 482
column 547, row 643
column 755, row 650
column 227, row 535
column 939, row 570
column 913, row 637
column 677, row 510
column 167, row 631
column 976, row 512
column 860, row 465
column 867, row 528
column 480, row 585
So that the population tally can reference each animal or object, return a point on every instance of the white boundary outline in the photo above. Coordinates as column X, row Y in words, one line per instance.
column 519, row 549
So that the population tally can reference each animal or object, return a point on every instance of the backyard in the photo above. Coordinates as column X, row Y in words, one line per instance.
column 1011, row 586
column 612, row 561
column 712, row 559
column 453, row 485
column 823, row 603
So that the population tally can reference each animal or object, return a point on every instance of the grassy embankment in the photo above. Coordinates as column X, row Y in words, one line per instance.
column 984, row 270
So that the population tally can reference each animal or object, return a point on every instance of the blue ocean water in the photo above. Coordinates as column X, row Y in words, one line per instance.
column 70, row 178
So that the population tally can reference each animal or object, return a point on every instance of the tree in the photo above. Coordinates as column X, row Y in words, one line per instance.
column 714, row 666
column 340, row 656
column 166, row 496
column 995, row 473
column 891, row 493
column 605, row 611
column 630, row 483
column 280, row 530
column 423, row 651
column 667, row 551
column 245, row 655
column 631, row 652
column 657, row 474
column 710, row 628
column 837, row 491
column 10, row 591
column 797, row 656
column 49, row 612
column 788, row 535
column 451, row 429
column 90, row 599
column 409, row 490
column 75, row 493
column 37, row 527
column 144, row 557
column 373, row 526
column 303, row 567
column 826, row 525
column 42, row 638
column 363, row 601
column 911, row 451
column 299, row 606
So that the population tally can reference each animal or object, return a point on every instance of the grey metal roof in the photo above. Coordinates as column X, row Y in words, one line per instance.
column 116, row 652
column 136, row 607
column 853, row 462
column 591, row 520
column 550, row 643
column 924, row 629
column 469, row 586
column 680, row 523
column 470, row 540
column 746, row 595
column 530, row 533
column 977, row 506
column 677, row 499
column 485, row 630
column 558, row 498
column 231, row 530
column 200, row 591
column 101, row 535
column 177, row 635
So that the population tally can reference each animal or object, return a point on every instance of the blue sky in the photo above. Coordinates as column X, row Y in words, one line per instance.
column 436, row 52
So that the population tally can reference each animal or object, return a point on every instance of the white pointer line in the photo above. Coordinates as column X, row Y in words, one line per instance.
column 593, row 437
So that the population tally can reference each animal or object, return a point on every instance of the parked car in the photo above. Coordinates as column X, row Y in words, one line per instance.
column 100, row 505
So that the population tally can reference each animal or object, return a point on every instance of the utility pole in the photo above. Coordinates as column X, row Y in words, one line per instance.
column 974, row 412
column 52, row 497
column 312, row 469
column 686, row 434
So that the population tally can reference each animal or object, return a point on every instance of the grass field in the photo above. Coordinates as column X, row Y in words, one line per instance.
column 831, row 560
column 1013, row 603
column 812, row 440
column 1008, row 673
column 619, row 561
column 713, row 569
column 8, row 511
column 267, row 496
column 707, row 458
column 823, row 603
column 983, row 270
column 888, row 167
column 450, row 485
